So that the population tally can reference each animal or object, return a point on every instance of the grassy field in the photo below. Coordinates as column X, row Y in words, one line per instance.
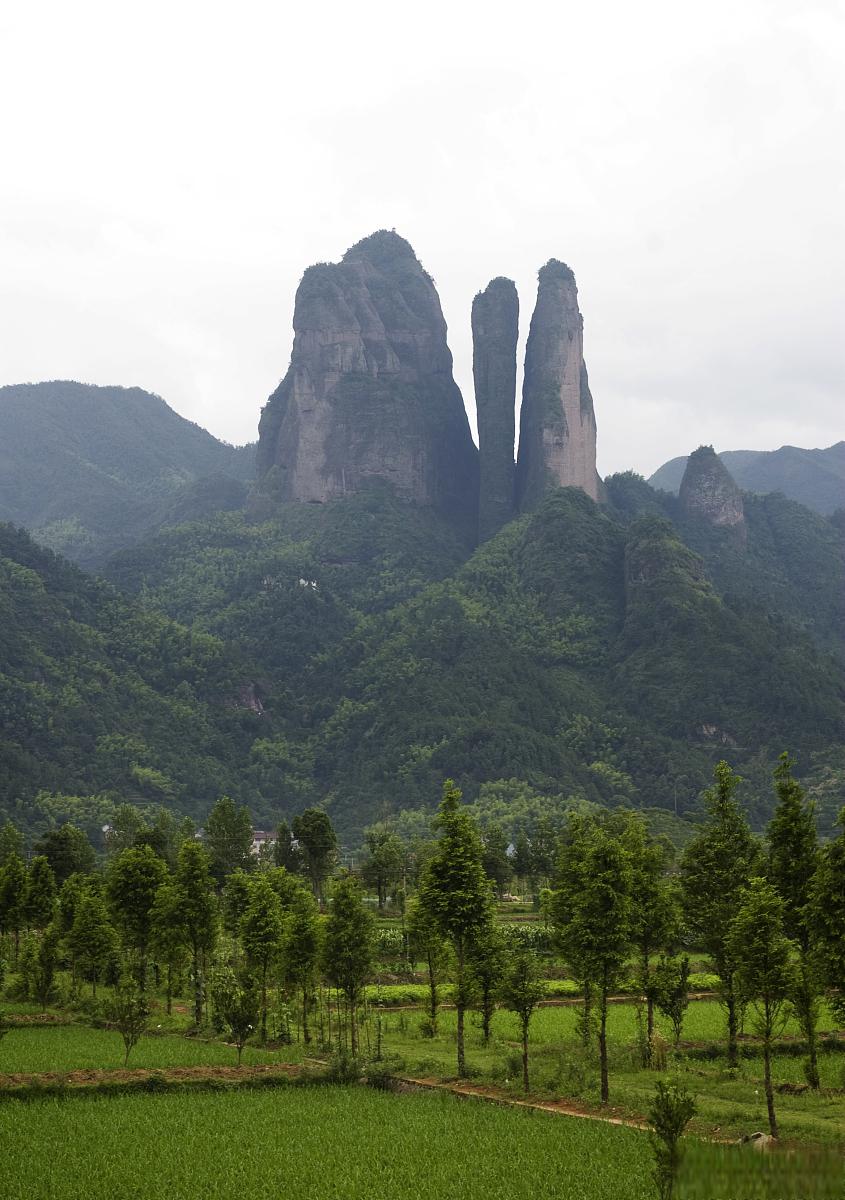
column 355, row 1144
column 34, row 1050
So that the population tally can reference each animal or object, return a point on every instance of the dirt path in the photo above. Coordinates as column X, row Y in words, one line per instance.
column 86, row 1077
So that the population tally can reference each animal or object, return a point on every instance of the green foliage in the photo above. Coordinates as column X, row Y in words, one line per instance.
column 128, row 1011
column 827, row 916
column 228, row 837
column 317, row 840
column 238, row 1002
column 671, row 1111
column 67, row 850
column 39, row 899
column 348, row 944
column 133, row 880
column 262, row 936
column 521, row 990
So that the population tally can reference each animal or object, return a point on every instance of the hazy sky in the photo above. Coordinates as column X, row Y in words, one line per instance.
column 170, row 169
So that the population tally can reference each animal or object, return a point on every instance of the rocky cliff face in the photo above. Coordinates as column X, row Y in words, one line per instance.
column 557, row 432
column 708, row 493
column 369, row 396
column 495, row 329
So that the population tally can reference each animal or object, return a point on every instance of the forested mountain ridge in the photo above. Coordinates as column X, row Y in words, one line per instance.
column 90, row 469
column 609, row 652
column 812, row 477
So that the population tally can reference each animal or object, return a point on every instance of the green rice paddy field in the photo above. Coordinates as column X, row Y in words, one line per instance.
column 325, row 1143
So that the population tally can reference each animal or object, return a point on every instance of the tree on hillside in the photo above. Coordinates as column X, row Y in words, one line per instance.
column 197, row 912
column 317, row 840
column 68, row 851
column 793, row 861
column 261, row 935
column 827, row 916
column 348, row 946
column 228, row 838
column 133, row 880
column 599, row 930
column 456, row 894
column 716, row 868
column 765, row 976
column 522, row 988
column 39, row 901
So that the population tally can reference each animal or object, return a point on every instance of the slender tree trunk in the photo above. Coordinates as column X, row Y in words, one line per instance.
column 240, row 1052
column 767, row 1077
column 649, row 1008
column 169, row 989
column 586, row 1014
column 807, row 1019
column 94, row 984
column 733, row 1023
column 264, row 1003
column 432, row 992
column 525, row 1054
column 486, row 1015
column 197, row 990
column 353, row 1027
column 462, row 1066
column 605, row 1089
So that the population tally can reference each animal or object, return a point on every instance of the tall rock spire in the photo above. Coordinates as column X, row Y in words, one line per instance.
column 557, row 428
column 495, row 328
column 369, row 396
column 708, row 493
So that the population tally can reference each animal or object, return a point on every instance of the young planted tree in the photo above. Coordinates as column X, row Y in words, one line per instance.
column 827, row 916
column 522, row 988
column 92, row 942
column 234, row 901
column 39, row 899
column 39, row 959
column 133, row 880
column 426, row 942
column 11, row 842
column 792, row 865
column 671, row 1111
column 655, row 915
column 318, row 845
column 496, row 862
column 457, row 896
column 128, row 1011
column 303, row 936
column 228, row 838
column 286, row 851
column 570, row 881
column 262, row 938
column 765, row 975
column 599, row 930
column 348, row 945
column 236, row 999
column 167, row 936
column 670, row 988
column 488, row 957
column 716, row 868
column 197, row 912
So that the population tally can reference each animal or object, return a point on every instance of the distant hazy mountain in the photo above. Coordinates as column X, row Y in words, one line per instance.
column 90, row 469
column 813, row 477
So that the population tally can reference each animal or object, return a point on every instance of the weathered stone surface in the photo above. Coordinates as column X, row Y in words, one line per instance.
column 369, row 395
column 495, row 329
column 557, row 430
column 708, row 492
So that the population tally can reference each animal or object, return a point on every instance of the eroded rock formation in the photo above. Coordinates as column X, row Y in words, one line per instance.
column 495, row 329
column 708, row 492
column 557, row 431
column 369, row 395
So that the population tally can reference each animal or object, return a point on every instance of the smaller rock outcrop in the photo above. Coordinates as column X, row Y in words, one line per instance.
column 495, row 330
column 709, row 493
column 557, row 429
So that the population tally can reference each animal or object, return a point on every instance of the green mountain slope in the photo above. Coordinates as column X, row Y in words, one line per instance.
column 815, row 478
column 89, row 469
column 100, row 696
column 606, row 653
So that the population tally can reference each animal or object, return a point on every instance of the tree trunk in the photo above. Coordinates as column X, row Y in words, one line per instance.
column 264, row 1004
column 605, row 1089
column 240, row 1052
column 432, row 993
column 353, row 1028
column 462, row 1066
column 197, row 991
column 733, row 1024
column 807, row 1019
column 525, row 1054
column 169, row 989
column 770, row 1096
column 588, row 1008
column 306, row 1032
column 649, row 1008
column 486, row 1016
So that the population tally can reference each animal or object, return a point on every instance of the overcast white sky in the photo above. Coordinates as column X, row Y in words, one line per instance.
column 168, row 170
